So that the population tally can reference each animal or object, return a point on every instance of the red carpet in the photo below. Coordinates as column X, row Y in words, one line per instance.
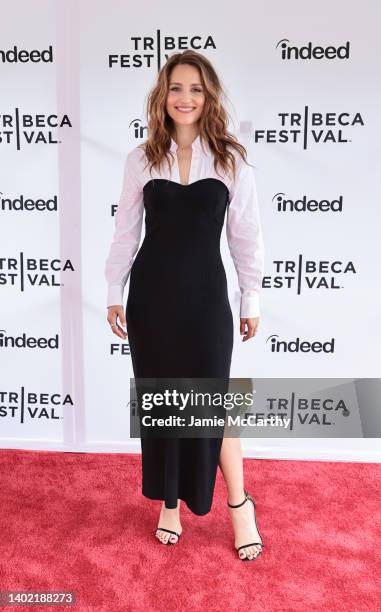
column 77, row 522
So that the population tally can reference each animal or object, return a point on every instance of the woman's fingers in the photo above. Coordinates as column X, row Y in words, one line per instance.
column 248, row 327
column 115, row 313
column 119, row 331
column 242, row 326
column 122, row 318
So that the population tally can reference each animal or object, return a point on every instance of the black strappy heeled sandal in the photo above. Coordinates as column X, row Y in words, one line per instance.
column 248, row 496
column 169, row 531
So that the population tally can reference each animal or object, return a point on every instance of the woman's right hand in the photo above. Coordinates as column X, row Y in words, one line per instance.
column 115, row 313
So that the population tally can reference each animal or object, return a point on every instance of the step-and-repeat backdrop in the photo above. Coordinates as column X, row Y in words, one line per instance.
column 303, row 85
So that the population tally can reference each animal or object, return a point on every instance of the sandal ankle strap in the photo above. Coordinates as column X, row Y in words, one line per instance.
column 247, row 496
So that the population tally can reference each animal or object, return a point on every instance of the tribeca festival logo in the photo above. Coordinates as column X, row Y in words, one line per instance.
column 310, row 51
column 311, row 127
column 301, row 274
column 23, row 405
column 25, row 129
column 120, row 348
column 24, row 272
column 305, row 204
column 149, row 51
column 326, row 408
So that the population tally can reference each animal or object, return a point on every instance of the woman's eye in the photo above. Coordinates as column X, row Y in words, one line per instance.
column 177, row 88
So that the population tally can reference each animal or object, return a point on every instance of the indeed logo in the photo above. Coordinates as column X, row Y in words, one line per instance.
column 302, row 204
column 308, row 51
column 23, row 341
column 25, row 203
column 300, row 346
column 22, row 56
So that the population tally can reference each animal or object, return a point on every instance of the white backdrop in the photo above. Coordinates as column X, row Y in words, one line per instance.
column 312, row 129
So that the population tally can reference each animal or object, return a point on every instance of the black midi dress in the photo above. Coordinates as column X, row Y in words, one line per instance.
column 179, row 319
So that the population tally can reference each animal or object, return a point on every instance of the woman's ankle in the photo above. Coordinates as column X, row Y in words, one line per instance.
column 236, row 497
column 176, row 509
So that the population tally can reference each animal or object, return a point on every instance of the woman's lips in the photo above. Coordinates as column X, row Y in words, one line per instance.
column 184, row 109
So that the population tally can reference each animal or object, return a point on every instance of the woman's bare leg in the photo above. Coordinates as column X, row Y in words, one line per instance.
column 169, row 519
column 231, row 465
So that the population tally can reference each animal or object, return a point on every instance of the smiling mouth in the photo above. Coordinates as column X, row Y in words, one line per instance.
column 184, row 109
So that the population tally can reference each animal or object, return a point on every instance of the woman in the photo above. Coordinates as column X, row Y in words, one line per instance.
column 188, row 173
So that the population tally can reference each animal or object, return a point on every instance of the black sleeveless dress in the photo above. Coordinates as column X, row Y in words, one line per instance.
column 180, row 324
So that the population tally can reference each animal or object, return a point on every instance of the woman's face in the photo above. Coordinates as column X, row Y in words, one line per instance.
column 186, row 97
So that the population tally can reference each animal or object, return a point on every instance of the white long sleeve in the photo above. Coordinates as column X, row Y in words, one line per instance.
column 243, row 226
column 245, row 239
column 126, row 238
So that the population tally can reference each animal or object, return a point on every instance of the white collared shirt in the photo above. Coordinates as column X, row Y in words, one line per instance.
column 243, row 225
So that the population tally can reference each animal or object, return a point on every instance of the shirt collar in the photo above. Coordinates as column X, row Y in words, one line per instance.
column 196, row 144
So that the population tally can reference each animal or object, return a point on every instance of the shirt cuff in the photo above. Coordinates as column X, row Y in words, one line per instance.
column 115, row 296
column 249, row 306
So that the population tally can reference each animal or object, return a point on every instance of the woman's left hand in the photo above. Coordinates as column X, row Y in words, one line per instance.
column 248, row 327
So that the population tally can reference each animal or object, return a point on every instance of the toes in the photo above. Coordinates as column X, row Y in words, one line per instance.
column 166, row 537
column 161, row 536
column 256, row 551
column 250, row 552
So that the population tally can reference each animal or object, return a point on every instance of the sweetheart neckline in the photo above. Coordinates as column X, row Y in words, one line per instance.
column 208, row 178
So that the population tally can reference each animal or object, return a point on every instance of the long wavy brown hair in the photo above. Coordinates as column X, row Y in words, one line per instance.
column 212, row 123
